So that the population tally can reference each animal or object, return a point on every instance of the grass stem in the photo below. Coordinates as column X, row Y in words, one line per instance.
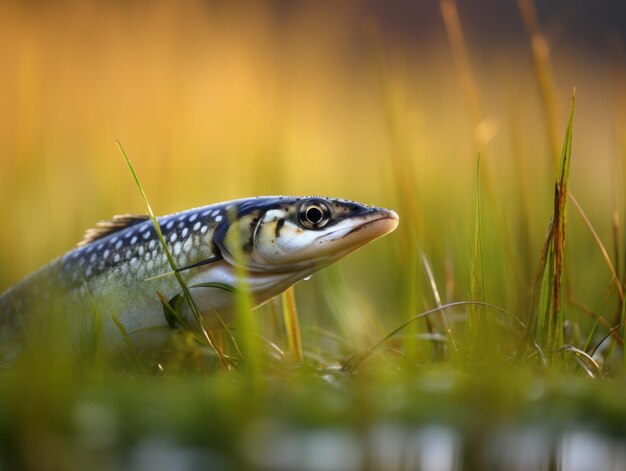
column 192, row 305
column 292, row 325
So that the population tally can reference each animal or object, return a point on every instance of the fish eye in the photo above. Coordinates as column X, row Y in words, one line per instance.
column 314, row 214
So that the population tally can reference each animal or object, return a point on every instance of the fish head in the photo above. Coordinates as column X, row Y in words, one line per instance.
column 284, row 234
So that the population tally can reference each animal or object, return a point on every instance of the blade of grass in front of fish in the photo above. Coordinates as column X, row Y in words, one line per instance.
column 192, row 305
column 292, row 324
column 249, row 329
column 172, row 310
column 547, row 318
column 227, row 330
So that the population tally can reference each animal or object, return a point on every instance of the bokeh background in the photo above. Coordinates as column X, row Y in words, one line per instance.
column 363, row 100
column 390, row 103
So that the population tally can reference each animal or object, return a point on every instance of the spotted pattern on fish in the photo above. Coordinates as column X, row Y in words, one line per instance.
column 136, row 252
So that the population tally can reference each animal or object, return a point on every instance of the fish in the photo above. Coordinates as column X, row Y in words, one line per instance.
column 120, row 265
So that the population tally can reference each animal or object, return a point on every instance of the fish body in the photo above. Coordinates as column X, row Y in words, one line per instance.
column 121, row 265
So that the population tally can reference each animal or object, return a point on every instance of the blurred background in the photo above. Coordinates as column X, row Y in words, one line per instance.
column 375, row 101
column 388, row 103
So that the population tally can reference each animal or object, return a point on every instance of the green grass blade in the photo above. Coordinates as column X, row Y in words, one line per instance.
column 476, row 321
column 192, row 305
column 250, row 344
column 547, row 318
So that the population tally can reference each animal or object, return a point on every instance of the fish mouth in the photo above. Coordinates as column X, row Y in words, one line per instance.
column 343, row 241
column 384, row 222
column 380, row 226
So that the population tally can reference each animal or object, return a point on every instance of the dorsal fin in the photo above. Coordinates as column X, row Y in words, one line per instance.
column 105, row 228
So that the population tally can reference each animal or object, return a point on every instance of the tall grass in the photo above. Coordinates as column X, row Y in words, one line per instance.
column 477, row 321
column 548, row 319
column 292, row 324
